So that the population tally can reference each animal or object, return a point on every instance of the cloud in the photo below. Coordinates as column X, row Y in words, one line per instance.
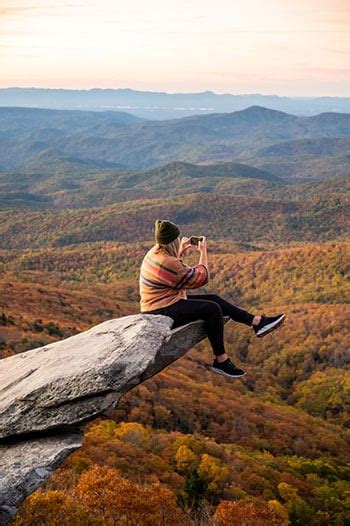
column 16, row 10
column 23, row 7
column 285, row 31
column 338, row 51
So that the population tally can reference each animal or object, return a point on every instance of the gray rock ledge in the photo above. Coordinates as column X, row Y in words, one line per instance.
column 26, row 464
column 47, row 393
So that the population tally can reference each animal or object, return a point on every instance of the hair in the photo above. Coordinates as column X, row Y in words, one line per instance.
column 170, row 248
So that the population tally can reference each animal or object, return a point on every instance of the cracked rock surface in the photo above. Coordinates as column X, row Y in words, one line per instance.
column 48, row 392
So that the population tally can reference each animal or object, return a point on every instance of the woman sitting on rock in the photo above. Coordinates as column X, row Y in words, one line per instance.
column 164, row 278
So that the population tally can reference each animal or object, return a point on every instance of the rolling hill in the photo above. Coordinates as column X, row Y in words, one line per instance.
column 71, row 186
column 287, row 220
column 113, row 137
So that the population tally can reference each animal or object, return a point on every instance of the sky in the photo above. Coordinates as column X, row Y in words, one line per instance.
column 282, row 47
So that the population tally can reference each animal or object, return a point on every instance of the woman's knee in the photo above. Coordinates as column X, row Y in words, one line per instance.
column 214, row 297
column 212, row 309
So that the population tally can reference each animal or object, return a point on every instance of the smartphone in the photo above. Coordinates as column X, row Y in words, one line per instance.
column 194, row 240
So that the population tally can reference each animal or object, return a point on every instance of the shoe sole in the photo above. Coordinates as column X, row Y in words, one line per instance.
column 219, row 371
column 272, row 326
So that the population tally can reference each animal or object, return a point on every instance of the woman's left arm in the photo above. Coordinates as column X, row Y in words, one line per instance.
column 185, row 244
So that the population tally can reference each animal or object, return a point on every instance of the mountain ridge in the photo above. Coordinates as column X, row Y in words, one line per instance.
column 161, row 104
column 140, row 144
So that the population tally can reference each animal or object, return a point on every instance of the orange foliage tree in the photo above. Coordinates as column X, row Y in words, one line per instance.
column 247, row 514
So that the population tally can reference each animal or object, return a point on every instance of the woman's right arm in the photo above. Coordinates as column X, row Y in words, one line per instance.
column 193, row 277
column 203, row 258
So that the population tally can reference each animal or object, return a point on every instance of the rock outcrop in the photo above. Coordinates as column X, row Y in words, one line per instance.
column 26, row 464
column 48, row 393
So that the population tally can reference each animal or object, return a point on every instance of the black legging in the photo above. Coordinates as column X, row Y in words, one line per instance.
column 208, row 307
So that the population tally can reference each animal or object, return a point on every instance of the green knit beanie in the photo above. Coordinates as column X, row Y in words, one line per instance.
column 165, row 231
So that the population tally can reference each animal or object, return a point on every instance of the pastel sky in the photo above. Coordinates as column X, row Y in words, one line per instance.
column 283, row 47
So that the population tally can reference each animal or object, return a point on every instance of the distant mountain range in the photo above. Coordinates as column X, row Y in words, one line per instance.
column 34, row 140
column 161, row 105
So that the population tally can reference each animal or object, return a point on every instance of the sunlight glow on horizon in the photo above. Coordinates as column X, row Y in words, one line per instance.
column 299, row 48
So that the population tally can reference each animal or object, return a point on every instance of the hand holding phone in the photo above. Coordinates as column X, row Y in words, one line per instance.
column 202, row 245
column 195, row 240
column 185, row 246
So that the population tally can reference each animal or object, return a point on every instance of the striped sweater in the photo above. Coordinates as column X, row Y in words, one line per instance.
column 164, row 278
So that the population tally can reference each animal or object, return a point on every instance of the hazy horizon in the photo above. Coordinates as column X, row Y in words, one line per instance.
column 298, row 49
column 172, row 93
